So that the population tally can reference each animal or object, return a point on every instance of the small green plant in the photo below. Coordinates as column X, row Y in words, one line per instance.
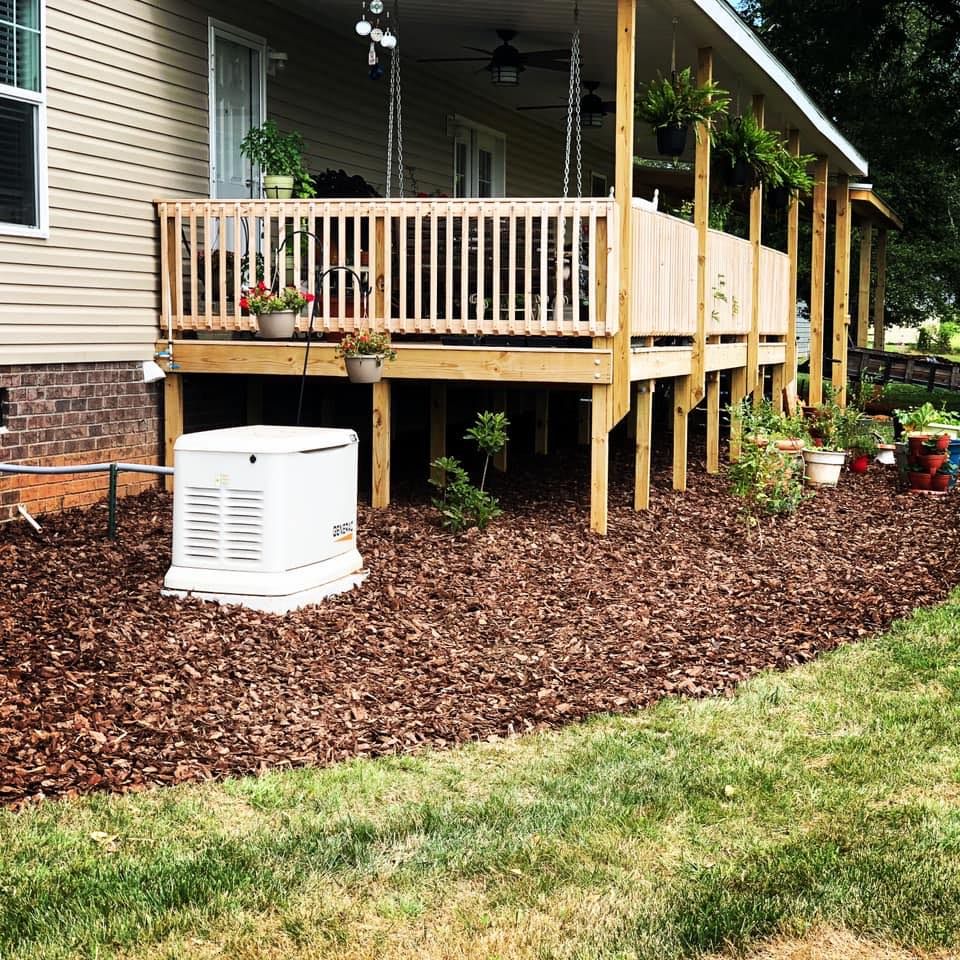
column 366, row 343
column 279, row 155
column 918, row 419
column 461, row 504
column 769, row 483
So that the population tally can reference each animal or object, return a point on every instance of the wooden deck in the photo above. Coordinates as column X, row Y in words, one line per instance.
column 522, row 291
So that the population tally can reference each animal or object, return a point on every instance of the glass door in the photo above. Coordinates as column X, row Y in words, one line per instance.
column 237, row 103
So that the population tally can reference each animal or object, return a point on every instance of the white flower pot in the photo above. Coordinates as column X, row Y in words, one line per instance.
column 365, row 369
column 278, row 188
column 278, row 325
column 822, row 467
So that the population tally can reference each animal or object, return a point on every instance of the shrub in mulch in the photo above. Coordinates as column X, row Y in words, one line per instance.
column 105, row 685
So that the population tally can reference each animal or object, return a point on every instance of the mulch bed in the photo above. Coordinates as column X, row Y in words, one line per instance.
column 104, row 685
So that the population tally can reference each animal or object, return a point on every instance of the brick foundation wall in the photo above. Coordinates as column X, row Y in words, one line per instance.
column 66, row 413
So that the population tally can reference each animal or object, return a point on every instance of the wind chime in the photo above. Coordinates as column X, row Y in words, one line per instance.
column 377, row 34
column 388, row 41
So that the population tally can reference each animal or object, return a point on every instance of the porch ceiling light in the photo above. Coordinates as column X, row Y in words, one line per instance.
column 506, row 66
column 591, row 111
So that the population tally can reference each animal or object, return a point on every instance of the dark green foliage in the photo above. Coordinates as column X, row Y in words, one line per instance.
column 889, row 73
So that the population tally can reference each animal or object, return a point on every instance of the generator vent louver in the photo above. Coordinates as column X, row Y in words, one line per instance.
column 225, row 524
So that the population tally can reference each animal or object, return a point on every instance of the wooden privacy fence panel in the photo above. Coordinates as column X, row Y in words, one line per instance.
column 774, row 291
column 529, row 267
column 663, row 300
column 729, row 284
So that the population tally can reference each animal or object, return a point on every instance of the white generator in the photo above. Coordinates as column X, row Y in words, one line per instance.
column 265, row 516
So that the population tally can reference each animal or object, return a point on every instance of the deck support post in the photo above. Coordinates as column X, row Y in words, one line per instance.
column 599, row 458
column 713, row 422
column 754, row 380
column 172, row 420
column 681, row 410
column 738, row 390
column 777, row 380
column 438, row 426
column 701, row 220
column 541, row 440
column 793, row 253
column 841, row 289
column 863, row 289
column 500, row 406
column 880, row 297
column 818, row 278
column 643, row 431
column 619, row 396
column 380, row 494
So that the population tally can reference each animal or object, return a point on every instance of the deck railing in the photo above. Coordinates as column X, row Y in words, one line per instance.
column 774, row 292
column 664, row 297
column 435, row 266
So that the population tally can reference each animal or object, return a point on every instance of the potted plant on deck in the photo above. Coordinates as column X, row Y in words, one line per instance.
column 276, row 313
column 280, row 158
column 671, row 104
column 364, row 353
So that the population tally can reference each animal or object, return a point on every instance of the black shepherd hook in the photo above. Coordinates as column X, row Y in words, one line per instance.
column 321, row 275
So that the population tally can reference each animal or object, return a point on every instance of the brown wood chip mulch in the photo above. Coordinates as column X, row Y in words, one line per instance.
column 104, row 685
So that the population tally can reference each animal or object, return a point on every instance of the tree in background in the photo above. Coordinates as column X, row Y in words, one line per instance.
column 887, row 72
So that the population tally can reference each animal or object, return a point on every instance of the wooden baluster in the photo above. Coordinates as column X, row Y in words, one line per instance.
column 448, row 287
column 512, row 269
column 528, row 269
column 434, row 244
column 464, row 267
column 495, row 287
column 544, row 287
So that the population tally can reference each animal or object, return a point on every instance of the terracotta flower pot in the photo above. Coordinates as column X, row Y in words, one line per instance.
column 919, row 481
column 916, row 442
column 940, row 482
column 790, row 446
column 943, row 442
column 860, row 463
column 932, row 462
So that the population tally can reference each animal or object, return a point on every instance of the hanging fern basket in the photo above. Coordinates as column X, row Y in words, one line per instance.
column 672, row 139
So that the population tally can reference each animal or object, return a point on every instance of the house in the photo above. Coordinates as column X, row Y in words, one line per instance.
column 130, row 221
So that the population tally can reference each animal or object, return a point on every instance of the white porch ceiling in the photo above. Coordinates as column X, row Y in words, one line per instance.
column 442, row 28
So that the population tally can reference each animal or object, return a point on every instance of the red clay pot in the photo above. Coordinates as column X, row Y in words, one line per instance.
column 919, row 481
column 940, row 481
column 916, row 442
column 932, row 462
column 860, row 464
column 943, row 442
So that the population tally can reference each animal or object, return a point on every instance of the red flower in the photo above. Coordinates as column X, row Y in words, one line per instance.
column 261, row 286
column 308, row 297
column 244, row 303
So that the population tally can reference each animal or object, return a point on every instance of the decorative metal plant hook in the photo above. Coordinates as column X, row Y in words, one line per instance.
column 320, row 276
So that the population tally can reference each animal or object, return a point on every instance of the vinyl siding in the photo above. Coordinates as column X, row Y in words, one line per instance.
column 127, row 124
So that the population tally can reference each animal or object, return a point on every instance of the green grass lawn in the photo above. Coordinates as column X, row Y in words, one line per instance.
column 824, row 798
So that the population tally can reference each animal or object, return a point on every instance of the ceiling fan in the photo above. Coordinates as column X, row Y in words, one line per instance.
column 592, row 108
column 506, row 62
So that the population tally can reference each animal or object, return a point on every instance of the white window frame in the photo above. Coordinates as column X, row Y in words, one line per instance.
column 219, row 28
column 41, row 230
column 463, row 128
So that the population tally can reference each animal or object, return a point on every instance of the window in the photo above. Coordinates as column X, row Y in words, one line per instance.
column 478, row 161
column 22, row 118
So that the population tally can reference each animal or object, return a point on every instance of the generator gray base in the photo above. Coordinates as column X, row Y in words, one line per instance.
column 294, row 601
column 268, row 592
